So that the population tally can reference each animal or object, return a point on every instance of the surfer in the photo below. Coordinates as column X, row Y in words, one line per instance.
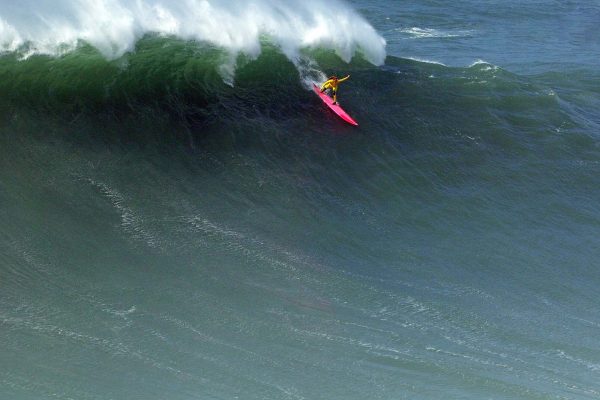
column 332, row 83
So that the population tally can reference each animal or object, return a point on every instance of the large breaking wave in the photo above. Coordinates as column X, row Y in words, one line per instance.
column 114, row 26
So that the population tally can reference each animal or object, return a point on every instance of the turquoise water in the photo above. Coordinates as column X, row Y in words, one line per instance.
column 178, row 225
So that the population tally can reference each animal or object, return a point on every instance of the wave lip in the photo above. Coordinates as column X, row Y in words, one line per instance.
column 114, row 26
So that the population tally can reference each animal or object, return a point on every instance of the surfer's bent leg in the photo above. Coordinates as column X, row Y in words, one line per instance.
column 334, row 96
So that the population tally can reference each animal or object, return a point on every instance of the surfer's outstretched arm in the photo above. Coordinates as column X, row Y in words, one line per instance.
column 344, row 78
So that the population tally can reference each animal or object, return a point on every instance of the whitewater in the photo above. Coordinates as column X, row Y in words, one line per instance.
column 114, row 26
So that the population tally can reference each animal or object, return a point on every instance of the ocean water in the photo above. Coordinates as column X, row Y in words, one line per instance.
column 181, row 218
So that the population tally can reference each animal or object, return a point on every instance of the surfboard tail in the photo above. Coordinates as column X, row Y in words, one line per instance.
column 339, row 111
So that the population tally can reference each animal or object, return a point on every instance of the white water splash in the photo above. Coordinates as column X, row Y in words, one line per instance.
column 484, row 65
column 114, row 26
column 10, row 40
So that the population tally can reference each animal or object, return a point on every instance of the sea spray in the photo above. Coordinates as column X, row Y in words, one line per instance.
column 115, row 26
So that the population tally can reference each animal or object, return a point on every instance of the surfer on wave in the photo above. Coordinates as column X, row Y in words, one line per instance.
column 332, row 83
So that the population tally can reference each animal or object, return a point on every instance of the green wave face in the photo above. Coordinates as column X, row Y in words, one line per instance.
column 187, row 83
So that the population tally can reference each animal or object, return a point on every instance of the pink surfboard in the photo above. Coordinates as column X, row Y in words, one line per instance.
column 335, row 107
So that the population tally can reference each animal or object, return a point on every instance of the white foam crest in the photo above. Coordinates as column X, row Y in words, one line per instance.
column 484, row 65
column 417, row 33
column 113, row 26
column 426, row 61
column 10, row 39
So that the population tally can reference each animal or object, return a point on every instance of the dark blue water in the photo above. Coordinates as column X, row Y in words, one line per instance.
column 180, row 223
column 523, row 37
